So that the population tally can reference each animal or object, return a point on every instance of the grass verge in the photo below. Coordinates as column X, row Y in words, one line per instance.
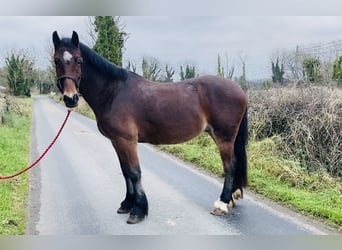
column 14, row 155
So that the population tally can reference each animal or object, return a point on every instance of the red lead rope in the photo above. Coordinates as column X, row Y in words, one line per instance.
column 44, row 153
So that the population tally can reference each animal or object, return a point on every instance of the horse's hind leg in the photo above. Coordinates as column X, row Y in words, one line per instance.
column 208, row 129
column 135, row 201
column 226, row 148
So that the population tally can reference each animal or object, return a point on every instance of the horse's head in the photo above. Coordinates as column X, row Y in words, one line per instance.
column 68, row 61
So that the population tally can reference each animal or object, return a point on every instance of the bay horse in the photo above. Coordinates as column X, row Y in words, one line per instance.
column 130, row 109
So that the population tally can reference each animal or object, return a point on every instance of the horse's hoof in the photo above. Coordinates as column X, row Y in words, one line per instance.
column 231, row 204
column 134, row 219
column 220, row 208
column 123, row 210
column 218, row 212
column 237, row 194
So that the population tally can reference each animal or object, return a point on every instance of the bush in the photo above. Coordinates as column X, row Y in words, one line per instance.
column 19, row 105
column 309, row 121
column 19, row 74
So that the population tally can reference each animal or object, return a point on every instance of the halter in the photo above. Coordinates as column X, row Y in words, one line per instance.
column 66, row 76
column 62, row 77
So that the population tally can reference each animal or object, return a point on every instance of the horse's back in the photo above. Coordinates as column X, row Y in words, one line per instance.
column 220, row 92
column 214, row 85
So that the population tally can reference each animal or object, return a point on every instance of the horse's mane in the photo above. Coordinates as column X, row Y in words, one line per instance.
column 100, row 63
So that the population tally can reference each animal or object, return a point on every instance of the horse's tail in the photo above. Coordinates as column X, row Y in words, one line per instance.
column 240, row 176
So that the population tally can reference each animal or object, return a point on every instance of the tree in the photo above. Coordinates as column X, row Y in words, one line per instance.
column 243, row 79
column 311, row 69
column 110, row 38
column 222, row 71
column 3, row 77
column 169, row 72
column 277, row 72
column 131, row 67
column 190, row 72
column 19, row 74
column 337, row 71
column 46, row 81
column 150, row 68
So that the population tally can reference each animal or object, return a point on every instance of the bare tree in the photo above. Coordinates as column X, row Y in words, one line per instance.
column 131, row 66
column 151, row 68
column 226, row 71
column 169, row 72
column 243, row 79
column 91, row 30
column 229, row 69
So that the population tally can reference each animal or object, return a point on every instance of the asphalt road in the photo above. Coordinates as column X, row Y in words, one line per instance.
column 78, row 186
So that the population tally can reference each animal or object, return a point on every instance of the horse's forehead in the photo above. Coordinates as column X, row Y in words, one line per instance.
column 67, row 56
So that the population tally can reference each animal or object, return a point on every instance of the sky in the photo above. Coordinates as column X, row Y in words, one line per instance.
column 181, row 40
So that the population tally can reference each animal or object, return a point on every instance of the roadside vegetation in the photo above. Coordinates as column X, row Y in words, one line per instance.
column 14, row 155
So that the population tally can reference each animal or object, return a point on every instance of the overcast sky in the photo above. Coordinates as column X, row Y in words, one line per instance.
column 181, row 40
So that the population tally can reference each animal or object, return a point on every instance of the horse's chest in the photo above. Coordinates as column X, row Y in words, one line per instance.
column 101, row 128
column 115, row 128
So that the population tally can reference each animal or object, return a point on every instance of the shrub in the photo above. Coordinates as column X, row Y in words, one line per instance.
column 337, row 71
column 309, row 121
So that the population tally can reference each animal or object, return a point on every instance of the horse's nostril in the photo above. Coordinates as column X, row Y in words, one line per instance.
column 75, row 98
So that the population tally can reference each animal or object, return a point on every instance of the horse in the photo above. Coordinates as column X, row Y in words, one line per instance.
column 130, row 109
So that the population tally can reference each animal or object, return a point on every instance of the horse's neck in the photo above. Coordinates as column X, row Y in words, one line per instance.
column 96, row 92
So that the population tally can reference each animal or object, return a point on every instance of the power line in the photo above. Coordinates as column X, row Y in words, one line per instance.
column 324, row 49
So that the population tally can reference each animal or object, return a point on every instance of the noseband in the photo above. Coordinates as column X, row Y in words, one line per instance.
column 62, row 77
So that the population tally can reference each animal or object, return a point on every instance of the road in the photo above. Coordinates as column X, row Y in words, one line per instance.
column 78, row 186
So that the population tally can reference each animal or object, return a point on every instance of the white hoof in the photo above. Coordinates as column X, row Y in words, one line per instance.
column 220, row 208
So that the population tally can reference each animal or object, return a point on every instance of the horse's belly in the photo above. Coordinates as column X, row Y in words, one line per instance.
column 173, row 135
column 167, row 139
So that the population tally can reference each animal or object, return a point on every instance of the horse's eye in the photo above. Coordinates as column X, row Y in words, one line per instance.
column 79, row 61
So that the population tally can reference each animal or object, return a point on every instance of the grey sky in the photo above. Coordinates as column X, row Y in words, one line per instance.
column 180, row 40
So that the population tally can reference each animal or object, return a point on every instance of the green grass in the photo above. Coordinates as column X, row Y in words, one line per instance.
column 200, row 151
column 269, row 174
column 14, row 155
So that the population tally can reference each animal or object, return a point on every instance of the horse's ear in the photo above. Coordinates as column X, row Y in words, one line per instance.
column 55, row 38
column 74, row 38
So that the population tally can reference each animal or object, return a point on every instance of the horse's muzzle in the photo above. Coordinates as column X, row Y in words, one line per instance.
column 71, row 102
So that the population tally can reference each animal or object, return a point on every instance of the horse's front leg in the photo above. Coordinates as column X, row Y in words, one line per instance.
column 135, row 201
column 127, row 204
